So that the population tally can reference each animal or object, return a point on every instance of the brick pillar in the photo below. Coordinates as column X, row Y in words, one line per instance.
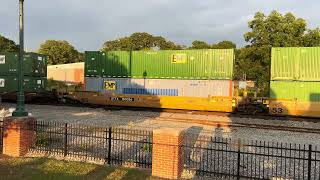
column 19, row 135
column 167, row 153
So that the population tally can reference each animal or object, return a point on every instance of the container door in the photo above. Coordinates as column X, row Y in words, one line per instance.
column 93, row 60
column 310, row 64
column 29, row 65
column 222, row 64
column 40, row 64
column 8, row 65
column 284, row 63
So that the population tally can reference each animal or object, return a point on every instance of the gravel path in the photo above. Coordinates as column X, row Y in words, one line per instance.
column 153, row 120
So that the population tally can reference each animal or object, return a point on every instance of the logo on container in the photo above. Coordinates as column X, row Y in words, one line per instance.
column 2, row 59
column 2, row 82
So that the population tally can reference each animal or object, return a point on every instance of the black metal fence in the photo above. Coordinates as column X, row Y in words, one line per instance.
column 202, row 155
column 218, row 157
column 110, row 145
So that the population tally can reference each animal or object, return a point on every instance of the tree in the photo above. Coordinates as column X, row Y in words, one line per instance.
column 224, row 45
column 60, row 52
column 7, row 45
column 221, row 45
column 312, row 38
column 139, row 41
column 274, row 30
column 200, row 45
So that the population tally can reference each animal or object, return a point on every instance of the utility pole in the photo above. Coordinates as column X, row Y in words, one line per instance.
column 20, row 111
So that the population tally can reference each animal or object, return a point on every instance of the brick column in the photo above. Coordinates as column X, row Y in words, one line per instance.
column 167, row 153
column 19, row 135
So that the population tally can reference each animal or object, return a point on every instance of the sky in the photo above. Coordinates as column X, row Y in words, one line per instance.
column 87, row 24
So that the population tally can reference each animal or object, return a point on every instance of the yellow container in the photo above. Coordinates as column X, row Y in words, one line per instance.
column 294, row 108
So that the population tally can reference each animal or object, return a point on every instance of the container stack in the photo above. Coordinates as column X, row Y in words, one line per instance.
column 184, row 79
column 295, row 81
column 35, row 71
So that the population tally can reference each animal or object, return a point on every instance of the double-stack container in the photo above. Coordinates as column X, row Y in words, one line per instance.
column 177, row 79
column 35, row 71
column 295, row 81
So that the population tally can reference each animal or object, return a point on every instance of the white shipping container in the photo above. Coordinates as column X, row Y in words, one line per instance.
column 166, row 87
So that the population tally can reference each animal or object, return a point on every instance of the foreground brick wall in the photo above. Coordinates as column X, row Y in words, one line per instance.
column 167, row 153
column 19, row 135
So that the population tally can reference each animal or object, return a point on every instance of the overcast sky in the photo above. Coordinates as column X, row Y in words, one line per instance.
column 88, row 23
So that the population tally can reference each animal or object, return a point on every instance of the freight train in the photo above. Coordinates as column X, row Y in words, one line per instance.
column 184, row 79
column 195, row 80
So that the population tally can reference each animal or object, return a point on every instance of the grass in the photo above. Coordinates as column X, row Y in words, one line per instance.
column 43, row 168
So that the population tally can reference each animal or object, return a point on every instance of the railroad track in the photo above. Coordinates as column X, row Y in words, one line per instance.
column 243, row 125
column 214, row 123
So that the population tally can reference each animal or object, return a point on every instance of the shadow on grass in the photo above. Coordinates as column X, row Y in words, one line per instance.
column 43, row 168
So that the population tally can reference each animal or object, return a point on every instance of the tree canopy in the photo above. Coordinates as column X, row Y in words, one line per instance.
column 60, row 52
column 274, row 30
column 7, row 45
column 140, row 41
column 204, row 45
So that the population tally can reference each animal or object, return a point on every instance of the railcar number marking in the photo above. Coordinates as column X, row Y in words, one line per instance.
column 126, row 99
column 277, row 110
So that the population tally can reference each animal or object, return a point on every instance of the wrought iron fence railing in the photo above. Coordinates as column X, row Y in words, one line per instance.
column 218, row 157
column 109, row 144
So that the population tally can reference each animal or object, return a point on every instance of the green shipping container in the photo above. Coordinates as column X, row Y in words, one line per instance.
column 295, row 90
column 169, row 64
column 34, row 64
column 295, row 63
column 93, row 63
column 31, row 84
column 184, row 64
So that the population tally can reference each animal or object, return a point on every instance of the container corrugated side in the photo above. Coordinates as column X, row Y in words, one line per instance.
column 183, row 64
column 282, row 90
column 93, row 84
column 33, row 64
column 295, row 63
column 93, row 63
column 116, row 64
column 309, row 64
column 295, row 90
column 165, row 87
column 70, row 73
column 31, row 84
column 307, row 91
column 8, row 63
column 284, row 63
